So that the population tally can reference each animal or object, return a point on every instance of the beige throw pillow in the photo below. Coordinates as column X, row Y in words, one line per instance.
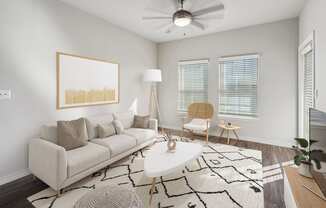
column 141, row 122
column 72, row 134
column 106, row 130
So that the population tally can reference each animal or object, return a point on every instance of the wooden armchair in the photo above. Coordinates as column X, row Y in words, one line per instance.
column 198, row 118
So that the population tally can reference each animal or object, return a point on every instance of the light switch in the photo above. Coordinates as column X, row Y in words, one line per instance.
column 5, row 94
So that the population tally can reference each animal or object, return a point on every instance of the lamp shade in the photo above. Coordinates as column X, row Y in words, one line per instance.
column 153, row 75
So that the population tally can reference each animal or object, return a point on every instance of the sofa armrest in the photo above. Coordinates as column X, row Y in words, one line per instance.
column 153, row 124
column 48, row 162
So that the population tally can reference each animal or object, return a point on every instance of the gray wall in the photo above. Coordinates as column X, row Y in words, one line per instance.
column 277, row 99
column 312, row 18
column 31, row 33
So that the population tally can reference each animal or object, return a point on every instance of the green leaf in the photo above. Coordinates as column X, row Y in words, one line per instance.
column 298, row 159
column 304, row 152
column 311, row 141
column 302, row 142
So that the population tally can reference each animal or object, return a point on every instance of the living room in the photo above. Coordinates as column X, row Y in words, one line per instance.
column 219, row 88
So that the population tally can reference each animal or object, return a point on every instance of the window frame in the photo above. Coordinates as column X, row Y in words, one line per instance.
column 185, row 62
column 237, row 57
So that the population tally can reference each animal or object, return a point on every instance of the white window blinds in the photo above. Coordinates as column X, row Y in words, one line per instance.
column 238, row 85
column 193, row 83
column 308, row 85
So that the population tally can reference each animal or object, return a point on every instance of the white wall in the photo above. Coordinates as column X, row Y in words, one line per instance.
column 277, row 99
column 31, row 31
column 312, row 18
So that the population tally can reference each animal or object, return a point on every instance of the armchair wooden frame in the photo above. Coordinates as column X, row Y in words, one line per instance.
column 203, row 111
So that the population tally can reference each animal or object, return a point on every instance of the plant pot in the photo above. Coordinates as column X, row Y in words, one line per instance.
column 304, row 169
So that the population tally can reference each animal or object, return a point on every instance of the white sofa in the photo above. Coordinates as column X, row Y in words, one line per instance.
column 60, row 168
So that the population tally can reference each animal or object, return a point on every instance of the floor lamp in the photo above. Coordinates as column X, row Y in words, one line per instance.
column 153, row 76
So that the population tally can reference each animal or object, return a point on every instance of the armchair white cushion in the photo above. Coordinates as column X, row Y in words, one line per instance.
column 197, row 124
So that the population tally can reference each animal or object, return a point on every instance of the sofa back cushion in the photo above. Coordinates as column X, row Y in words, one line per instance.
column 49, row 133
column 126, row 118
column 93, row 122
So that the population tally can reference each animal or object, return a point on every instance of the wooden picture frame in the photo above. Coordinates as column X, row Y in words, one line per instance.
column 84, row 81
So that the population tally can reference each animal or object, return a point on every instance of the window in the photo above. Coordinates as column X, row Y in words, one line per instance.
column 193, row 83
column 238, row 85
column 306, row 84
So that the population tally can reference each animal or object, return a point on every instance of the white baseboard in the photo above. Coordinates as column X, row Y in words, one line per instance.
column 275, row 142
column 13, row 176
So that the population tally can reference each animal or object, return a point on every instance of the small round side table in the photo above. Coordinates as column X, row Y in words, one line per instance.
column 228, row 128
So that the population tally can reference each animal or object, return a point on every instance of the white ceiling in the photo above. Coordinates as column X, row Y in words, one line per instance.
column 238, row 13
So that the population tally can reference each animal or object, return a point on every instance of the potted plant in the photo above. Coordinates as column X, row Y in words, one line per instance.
column 305, row 156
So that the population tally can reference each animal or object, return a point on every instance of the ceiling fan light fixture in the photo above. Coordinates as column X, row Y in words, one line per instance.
column 182, row 18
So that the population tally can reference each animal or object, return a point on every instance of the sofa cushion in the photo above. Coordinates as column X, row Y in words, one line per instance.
column 117, row 143
column 142, row 135
column 49, row 133
column 197, row 125
column 126, row 118
column 86, row 157
column 92, row 124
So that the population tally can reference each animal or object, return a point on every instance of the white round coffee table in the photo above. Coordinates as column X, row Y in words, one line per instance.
column 159, row 162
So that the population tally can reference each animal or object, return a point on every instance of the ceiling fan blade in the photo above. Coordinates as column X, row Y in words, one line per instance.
column 156, row 18
column 163, row 27
column 212, row 17
column 198, row 24
column 208, row 10
column 170, row 28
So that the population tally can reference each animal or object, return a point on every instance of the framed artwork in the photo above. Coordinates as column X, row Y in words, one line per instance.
column 83, row 81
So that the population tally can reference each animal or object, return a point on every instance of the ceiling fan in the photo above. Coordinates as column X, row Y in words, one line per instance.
column 182, row 17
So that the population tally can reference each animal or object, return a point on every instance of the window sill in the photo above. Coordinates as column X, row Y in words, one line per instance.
column 237, row 117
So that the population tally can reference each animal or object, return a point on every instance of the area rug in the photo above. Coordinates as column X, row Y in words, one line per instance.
column 229, row 176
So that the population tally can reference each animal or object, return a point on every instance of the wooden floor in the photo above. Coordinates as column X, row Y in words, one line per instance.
column 13, row 195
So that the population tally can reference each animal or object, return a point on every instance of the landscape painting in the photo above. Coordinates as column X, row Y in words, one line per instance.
column 85, row 81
